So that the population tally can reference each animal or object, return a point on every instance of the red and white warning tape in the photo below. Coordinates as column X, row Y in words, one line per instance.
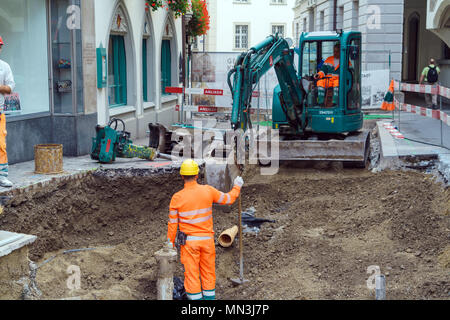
column 422, row 88
column 207, row 109
column 207, row 92
column 422, row 111
column 393, row 131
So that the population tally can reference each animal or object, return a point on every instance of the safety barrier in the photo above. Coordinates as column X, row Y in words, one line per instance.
column 393, row 130
column 206, row 92
column 423, row 131
column 423, row 111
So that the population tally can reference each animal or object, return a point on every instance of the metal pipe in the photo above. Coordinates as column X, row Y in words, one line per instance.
column 380, row 287
column 440, row 110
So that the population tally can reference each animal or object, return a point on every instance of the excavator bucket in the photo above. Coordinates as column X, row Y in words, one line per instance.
column 352, row 151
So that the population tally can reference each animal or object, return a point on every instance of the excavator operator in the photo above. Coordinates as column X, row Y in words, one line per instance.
column 328, row 77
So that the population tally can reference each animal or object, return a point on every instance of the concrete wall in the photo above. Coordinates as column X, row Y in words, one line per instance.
column 75, row 133
column 24, row 134
column 137, row 114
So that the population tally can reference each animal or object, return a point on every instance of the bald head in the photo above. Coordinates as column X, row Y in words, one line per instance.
column 432, row 61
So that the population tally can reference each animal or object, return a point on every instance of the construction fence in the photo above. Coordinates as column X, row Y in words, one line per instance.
column 209, row 70
column 425, row 119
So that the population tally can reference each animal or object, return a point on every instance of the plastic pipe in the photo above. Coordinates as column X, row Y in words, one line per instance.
column 166, row 258
column 226, row 238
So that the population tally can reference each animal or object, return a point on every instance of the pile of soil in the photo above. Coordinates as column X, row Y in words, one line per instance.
column 331, row 225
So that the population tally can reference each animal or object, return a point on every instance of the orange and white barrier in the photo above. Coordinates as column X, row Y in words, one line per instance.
column 423, row 88
column 207, row 109
column 422, row 111
column 393, row 131
column 206, row 92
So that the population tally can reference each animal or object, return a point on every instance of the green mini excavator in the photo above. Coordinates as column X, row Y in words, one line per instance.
column 313, row 125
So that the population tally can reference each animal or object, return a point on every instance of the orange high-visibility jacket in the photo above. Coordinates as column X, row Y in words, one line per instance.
column 329, row 68
column 191, row 209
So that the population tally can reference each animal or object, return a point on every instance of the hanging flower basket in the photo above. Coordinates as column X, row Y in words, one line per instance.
column 199, row 23
column 179, row 7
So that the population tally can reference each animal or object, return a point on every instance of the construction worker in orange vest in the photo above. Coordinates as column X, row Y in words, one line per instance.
column 191, row 212
column 7, row 85
column 328, row 76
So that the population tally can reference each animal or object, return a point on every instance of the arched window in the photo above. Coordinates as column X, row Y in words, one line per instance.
column 167, row 64
column 147, row 61
column 117, row 61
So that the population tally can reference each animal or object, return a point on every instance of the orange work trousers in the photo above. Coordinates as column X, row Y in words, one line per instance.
column 325, row 83
column 199, row 260
column 3, row 155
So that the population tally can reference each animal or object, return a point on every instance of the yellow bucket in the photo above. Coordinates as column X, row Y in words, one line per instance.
column 48, row 158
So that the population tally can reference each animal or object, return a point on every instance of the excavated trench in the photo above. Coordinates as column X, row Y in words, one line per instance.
column 331, row 225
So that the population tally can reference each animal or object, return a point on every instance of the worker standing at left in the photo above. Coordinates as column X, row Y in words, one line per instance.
column 7, row 85
column 191, row 212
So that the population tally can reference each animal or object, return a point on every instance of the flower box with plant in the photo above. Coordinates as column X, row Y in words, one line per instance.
column 199, row 23
column 179, row 7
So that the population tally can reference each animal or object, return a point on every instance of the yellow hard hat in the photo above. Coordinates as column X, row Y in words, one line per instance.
column 189, row 168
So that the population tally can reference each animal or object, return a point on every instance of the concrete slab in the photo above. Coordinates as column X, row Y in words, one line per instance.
column 10, row 241
column 393, row 149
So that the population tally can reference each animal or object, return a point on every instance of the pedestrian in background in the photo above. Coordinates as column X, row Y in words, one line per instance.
column 7, row 85
column 430, row 75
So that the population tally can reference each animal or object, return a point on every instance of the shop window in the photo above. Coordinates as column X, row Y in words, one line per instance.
column 66, row 60
column 117, row 72
column 23, row 27
column 166, row 66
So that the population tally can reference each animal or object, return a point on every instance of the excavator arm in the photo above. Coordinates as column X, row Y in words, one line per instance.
column 273, row 52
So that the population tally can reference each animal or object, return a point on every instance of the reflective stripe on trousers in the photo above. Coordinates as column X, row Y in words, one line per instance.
column 195, row 238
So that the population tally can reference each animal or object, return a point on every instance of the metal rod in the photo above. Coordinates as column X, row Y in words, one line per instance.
column 380, row 287
column 241, row 249
column 440, row 120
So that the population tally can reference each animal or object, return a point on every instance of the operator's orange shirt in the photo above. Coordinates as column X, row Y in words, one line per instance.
column 191, row 209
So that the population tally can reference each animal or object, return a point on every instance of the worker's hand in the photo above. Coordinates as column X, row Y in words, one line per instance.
column 239, row 181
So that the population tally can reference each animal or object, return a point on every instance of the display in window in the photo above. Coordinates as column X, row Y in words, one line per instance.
column 64, row 64
column 12, row 103
column 64, row 86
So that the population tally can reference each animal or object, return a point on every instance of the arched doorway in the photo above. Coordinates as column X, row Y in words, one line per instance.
column 413, row 41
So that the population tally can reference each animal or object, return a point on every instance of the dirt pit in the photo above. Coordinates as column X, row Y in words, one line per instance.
column 331, row 225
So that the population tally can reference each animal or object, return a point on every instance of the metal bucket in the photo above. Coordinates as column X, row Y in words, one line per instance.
column 48, row 158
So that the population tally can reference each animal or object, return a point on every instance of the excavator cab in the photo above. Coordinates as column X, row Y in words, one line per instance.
column 330, row 75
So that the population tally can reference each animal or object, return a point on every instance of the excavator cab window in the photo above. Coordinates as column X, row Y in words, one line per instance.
column 320, row 73
column 354, row 75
